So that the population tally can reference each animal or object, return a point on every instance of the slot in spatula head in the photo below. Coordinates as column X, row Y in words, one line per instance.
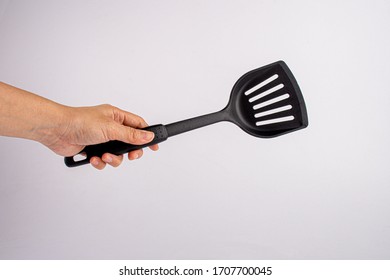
column 267, row 102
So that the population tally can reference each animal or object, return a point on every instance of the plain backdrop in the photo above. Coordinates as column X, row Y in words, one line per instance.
column 217, row 192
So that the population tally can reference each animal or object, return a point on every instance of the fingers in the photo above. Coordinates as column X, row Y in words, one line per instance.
column 113, row 160
column 132, row 135
column 154, row 147
column 133, row 120
column 125, row 127
column 138, row 153
column 100, row 163
column 128, row 129
column 97, row 163
column 135, row 154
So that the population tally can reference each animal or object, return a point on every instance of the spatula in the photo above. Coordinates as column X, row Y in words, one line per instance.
column 265, row 102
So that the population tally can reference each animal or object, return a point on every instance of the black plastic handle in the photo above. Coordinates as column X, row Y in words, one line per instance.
column 117, row 147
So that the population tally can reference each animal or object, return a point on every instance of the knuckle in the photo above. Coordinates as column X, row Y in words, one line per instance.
column 110, row 109
column 142, row 122
column 105, row 106
column 138, row 121
column 117, row 160
column 133, row 134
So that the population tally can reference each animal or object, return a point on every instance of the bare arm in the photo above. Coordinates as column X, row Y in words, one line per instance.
column 67, row 130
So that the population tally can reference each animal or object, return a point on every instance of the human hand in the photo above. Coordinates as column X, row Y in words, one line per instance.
column 99, row 124
column 67, row 130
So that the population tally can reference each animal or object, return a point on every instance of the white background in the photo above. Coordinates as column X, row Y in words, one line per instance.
column 214, row 193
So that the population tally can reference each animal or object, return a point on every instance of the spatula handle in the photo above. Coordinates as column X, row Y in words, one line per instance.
column 117, row 147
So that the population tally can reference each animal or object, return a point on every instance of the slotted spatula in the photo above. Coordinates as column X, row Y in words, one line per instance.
column 265, row 102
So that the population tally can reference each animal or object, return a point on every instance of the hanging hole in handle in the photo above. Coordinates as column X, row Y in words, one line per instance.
column 79, row 157
column 76, row 160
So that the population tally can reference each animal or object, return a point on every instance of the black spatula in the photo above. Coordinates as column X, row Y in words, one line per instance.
column 265, row 102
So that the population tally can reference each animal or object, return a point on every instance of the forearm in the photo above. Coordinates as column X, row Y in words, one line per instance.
column 26, row 115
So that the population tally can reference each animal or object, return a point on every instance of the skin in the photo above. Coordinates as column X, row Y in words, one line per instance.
column 67, row 130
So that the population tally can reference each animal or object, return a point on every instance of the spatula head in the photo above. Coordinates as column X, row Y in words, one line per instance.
column 267, row 102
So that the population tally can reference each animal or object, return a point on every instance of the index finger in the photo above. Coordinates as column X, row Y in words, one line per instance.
column 133, row 120
column 136, row 121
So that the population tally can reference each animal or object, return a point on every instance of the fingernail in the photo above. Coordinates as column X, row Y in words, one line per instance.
column 95, row 162
column 135, row 156
column 109, row 159
column 146, row 135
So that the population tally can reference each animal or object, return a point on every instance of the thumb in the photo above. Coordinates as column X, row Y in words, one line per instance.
column 132, row 135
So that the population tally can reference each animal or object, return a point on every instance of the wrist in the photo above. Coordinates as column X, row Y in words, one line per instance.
column 53, row 125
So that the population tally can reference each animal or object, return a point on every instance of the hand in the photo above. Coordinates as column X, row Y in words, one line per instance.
column 99, row 124
column 67, row 130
